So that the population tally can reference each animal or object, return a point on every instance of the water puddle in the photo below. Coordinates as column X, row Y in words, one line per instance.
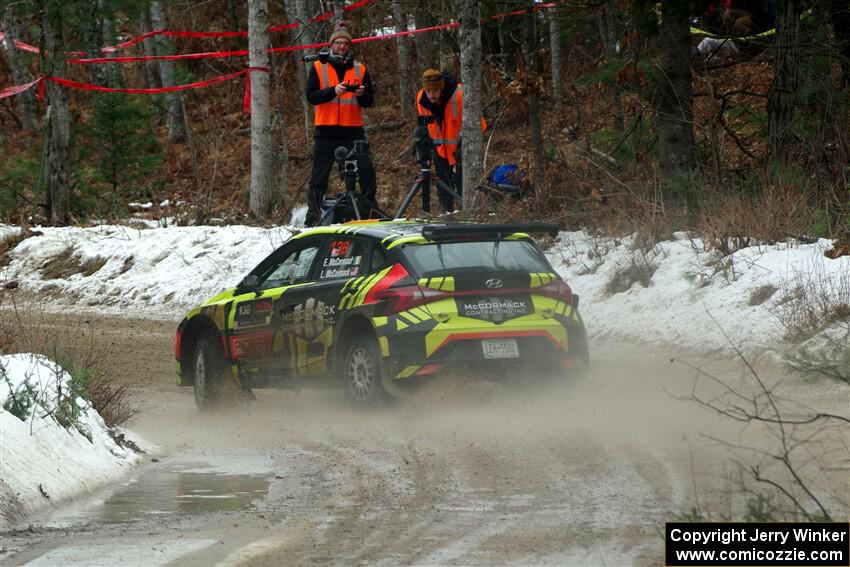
column 173, row 489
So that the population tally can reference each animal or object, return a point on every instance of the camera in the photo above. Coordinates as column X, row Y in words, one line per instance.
column 347, row 159
column 323, row 57
column 350, row 87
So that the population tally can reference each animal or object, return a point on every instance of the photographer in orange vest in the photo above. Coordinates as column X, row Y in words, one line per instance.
column 441, row 96
column 340, row 87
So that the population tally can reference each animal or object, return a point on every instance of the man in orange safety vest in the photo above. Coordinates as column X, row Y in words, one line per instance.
column 441, row 96
column 339, row 87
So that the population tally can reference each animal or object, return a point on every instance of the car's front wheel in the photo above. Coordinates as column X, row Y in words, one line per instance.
column 209, row 373
column 362, row 371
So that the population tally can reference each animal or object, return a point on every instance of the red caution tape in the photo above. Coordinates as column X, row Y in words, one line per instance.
column 18, row 89
column 192, row 34
column 246, row 101
column 188, row 86
column 20, row 44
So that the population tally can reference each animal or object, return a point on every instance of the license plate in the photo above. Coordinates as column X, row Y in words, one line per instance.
column 500, row 348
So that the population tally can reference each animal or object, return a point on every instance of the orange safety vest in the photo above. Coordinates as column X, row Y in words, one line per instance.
column 344, row 110
column 447, row 137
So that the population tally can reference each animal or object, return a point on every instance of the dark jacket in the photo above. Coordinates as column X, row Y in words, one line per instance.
column 439, row 109
column 316, row 95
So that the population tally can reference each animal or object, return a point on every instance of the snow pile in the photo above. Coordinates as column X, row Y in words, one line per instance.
column 158, row 271
column 680, row 292
column 54, row 446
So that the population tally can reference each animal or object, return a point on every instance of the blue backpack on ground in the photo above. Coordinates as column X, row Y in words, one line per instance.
column 507, row 178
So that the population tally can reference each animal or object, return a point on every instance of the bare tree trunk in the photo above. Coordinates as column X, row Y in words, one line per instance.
column 470, row 71
column 405, row 89
column 780, row 99
column 151, row 67
column 558, row 85
column 298, row 11
column 57, row 176
column 339, row 13
column 26, row 100
column 173, row 104
column 674, row 103
column 427, row 55
column 609, row 31
column 280, row 123
column 262, row 145
column 533, row 63
column 114, row 77
column 232, row 15
column 94, row 42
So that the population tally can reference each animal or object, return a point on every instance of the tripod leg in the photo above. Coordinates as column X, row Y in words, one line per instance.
column 426, row 193
column 325, row 216
column 353, row 200
column 417, row 186
column 445, row 187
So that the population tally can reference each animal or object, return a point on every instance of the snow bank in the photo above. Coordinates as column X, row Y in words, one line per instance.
column 42, row 462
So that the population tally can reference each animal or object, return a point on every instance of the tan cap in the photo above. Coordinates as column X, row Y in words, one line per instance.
column 432, row 79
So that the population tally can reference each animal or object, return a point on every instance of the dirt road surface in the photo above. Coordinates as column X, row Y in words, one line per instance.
column 465, row 472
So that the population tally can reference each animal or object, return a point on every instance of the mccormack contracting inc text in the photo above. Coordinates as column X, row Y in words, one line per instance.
column 763, row 544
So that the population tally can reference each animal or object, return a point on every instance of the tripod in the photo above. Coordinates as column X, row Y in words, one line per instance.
column 346, row 205
column 425, row 154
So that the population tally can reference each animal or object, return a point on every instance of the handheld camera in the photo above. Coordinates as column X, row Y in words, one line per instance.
column 323, row 56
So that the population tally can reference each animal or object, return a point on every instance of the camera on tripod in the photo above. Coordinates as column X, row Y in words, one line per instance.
column 347, row 159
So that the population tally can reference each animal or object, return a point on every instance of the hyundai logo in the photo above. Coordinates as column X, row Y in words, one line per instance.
column 494, row 283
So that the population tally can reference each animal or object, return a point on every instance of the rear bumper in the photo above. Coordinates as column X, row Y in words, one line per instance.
column 544, row 347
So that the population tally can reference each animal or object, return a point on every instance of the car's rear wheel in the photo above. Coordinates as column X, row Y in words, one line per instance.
column 209, row 373
column 363, row 372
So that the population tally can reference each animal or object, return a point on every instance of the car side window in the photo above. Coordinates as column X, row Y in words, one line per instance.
column 294, row 268
column 344, row 257
column 379, row 259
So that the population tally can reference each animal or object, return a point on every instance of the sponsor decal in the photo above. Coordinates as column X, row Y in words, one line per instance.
column 495, row 309
column 310, row 318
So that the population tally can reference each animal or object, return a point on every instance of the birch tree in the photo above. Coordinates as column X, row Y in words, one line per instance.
column 27, row 108
column 404, row 86
column 470, row 72
column 173, row 100
column 262, row 159
column 57, row 174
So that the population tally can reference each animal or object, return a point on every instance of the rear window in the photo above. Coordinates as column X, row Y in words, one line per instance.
column 519, row 255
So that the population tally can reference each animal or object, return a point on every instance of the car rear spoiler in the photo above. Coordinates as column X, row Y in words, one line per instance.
column 499, row 231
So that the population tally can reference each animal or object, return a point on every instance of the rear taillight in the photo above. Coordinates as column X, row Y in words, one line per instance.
column 399, row 292
column 558, row 289
column 178, row 344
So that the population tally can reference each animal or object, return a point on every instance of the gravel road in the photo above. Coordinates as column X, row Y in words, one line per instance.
column 465, row 472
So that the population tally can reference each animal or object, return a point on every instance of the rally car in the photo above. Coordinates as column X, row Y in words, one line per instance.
column 376, row 304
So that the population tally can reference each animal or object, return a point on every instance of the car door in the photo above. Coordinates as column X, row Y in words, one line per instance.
column 259, row 316
column 312, row 312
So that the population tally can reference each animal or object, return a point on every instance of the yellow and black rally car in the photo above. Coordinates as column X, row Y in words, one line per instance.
column 377, row 304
